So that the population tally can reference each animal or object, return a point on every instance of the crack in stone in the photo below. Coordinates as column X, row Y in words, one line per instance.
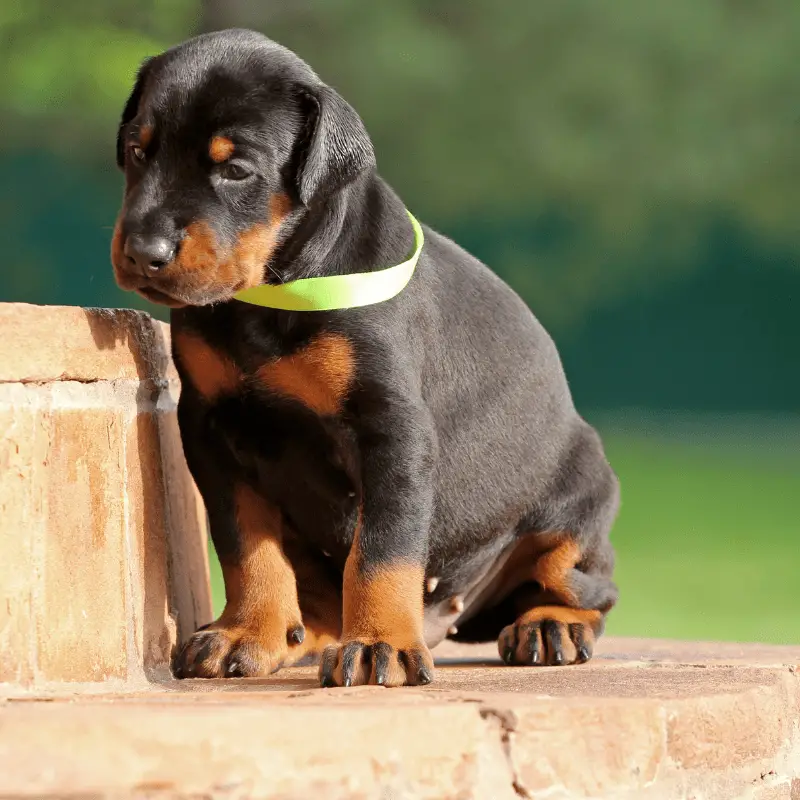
column 508, row 727
column 65, row 377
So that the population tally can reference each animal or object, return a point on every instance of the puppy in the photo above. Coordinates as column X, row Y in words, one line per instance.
column 380, row 470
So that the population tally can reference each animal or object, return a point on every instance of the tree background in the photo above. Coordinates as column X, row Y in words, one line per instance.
column 631, row 168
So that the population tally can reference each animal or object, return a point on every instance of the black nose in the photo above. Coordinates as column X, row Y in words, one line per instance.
column 150, row 253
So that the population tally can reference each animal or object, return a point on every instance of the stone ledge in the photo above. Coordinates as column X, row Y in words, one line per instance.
column 101, row 531
column 103, row 569
column 714, row 721
column 63, row 343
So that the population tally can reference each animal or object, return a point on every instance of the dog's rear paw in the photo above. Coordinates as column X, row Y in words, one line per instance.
column 550, row 636
column 218, row 651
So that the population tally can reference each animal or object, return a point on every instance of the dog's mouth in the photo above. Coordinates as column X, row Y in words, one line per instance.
column 183, row 298
column 156, row 296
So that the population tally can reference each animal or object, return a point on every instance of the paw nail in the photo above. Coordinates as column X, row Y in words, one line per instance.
column 558, row 659
column 583, row 654
column 508, row 655
column 423, row 677
column 326, row 682
column 297, row 634
column 431, row 584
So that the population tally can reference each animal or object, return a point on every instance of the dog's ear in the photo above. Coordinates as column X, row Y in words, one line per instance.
column 335, row 148
column 131, row 107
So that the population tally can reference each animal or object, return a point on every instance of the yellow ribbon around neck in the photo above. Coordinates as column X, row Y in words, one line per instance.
column 338, row 291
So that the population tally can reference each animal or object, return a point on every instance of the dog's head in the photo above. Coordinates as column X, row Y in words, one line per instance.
column 225, row 142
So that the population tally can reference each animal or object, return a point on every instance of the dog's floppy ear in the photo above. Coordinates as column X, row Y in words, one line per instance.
column 131, row 106
column 336, row 146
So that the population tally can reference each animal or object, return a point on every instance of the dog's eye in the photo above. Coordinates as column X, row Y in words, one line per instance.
column 137, row 153
column 232, row 171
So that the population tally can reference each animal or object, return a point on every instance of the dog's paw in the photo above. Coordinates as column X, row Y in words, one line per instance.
column 550, row 636
column 359, row 661
column 219, row 651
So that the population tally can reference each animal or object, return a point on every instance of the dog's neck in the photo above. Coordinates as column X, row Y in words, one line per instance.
column 362, row 228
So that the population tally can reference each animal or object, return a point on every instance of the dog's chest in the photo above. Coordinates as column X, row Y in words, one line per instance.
column 317, row 375
column 282, row 422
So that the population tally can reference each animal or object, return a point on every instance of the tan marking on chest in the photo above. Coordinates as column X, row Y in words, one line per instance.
column 318, row 376
column 209, row 371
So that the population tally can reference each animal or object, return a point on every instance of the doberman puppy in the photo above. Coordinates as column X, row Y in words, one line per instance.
column 377, row 478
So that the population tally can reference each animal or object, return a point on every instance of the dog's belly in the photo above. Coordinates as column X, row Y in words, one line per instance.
column 484, row 580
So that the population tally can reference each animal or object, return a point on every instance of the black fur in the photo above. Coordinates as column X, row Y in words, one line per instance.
column 339, row 149
column 459, row 437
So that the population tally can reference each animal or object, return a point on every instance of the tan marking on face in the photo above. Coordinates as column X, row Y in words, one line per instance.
column 245, row 266
column 203, row 262
column 198, row 249
column 318, row 376
column 205, row 267
column 221, row 149
column 209, row 371
column 118, row 255
column 145, row 136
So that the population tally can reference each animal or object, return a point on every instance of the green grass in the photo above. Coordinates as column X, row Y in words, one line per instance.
column 707, row 538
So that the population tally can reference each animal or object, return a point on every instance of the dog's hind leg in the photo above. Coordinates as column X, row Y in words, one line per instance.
column 562, row 605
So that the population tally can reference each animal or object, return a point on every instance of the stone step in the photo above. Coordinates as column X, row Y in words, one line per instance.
column 102, row 534
column 103, row 570
column 651, row 720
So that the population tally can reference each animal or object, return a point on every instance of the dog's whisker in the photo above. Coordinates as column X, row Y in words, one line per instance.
column 276, row 273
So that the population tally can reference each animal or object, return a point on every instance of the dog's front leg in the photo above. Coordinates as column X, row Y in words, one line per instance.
column 261, row 628
column 382, row 639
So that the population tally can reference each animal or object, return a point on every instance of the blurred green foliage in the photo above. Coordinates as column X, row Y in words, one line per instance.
column 707, row 536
